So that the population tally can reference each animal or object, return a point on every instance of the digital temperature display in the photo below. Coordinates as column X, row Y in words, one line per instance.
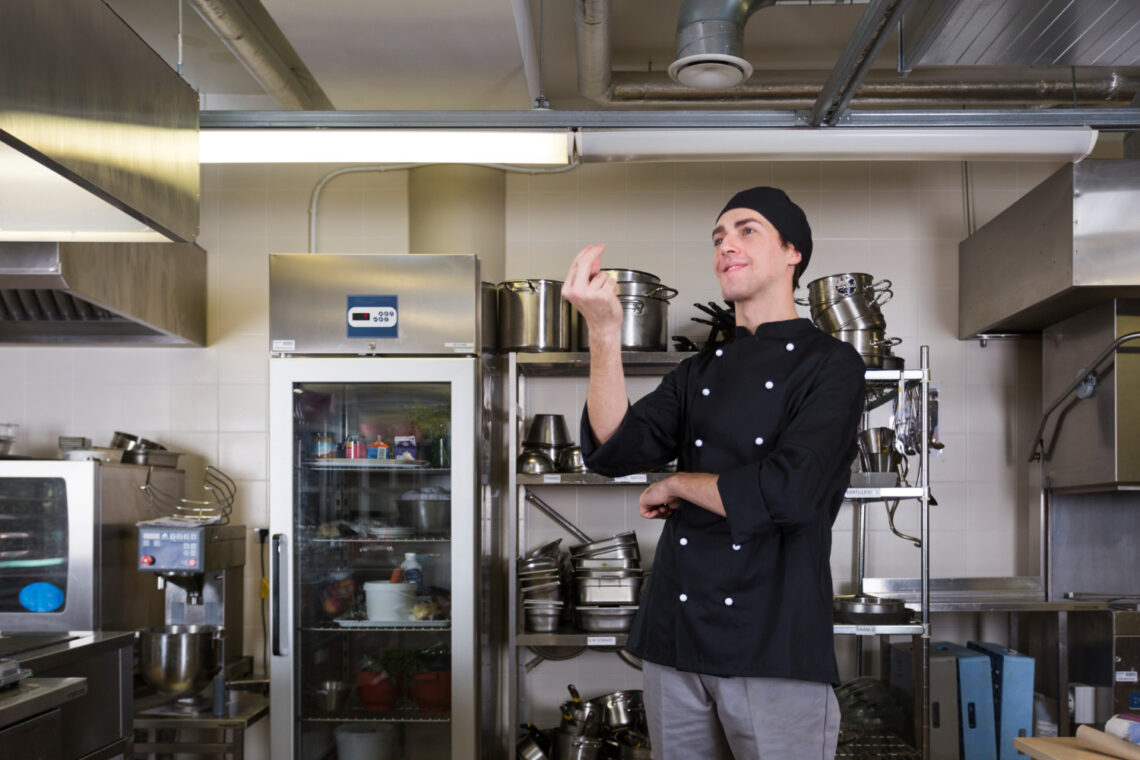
column 372, row 316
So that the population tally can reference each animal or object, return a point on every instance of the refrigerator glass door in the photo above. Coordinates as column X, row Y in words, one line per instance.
column 373, row 516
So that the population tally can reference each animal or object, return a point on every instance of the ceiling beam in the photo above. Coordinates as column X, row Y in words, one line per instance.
column 1107, row 119
column 858, row 54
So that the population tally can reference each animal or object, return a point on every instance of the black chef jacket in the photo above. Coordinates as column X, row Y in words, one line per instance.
column 775, row 414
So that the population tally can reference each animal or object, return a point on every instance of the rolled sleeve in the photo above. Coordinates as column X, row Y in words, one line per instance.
column 788, row 487
column 647, row 437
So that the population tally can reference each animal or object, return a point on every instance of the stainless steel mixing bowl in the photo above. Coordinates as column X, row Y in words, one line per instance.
column 180, row 659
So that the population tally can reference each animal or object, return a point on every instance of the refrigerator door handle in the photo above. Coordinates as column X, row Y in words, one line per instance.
column 276, row 602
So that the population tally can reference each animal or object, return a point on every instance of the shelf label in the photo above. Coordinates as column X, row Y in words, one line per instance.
column 1126, row 676
column 601, row 641
column 864, row 630
column 638, row 478
column 551, row 478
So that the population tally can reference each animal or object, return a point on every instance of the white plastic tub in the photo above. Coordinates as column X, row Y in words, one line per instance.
column 366, row 741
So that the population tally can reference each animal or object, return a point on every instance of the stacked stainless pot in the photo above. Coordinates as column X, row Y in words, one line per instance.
column 610, row 726
column 540, row 585
column 848, row 306
column 607, row 582
column 645, row 311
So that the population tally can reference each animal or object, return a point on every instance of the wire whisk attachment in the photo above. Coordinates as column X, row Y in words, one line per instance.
column 216, row 507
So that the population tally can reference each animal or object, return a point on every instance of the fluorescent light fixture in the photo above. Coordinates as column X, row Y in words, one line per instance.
column 837, row 144
column 36, row 204
column 383, row 146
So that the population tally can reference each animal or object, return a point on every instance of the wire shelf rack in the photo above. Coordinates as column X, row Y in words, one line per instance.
column 876, row 746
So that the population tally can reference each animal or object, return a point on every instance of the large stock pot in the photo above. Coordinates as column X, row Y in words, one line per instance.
column 533, row 316
column 645, row 316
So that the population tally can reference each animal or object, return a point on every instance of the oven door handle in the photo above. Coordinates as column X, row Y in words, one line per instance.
column 277, row 601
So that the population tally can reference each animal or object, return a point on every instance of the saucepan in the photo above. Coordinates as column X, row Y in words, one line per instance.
column 534, row 746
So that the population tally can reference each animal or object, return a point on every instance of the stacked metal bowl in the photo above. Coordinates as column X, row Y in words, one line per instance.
column 607, row 583
column 540, row 586
column 848, row 306
column 549, row 448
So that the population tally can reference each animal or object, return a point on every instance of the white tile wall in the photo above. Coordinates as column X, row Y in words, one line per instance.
column 892, row 219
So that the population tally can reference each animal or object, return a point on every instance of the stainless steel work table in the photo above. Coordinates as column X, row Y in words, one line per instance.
column 227, row 732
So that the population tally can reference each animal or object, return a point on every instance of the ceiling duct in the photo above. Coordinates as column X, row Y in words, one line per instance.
column 103, row 293
column 710, row 43
column 85, row 99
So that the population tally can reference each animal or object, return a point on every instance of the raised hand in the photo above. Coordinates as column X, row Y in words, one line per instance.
column 592, row 292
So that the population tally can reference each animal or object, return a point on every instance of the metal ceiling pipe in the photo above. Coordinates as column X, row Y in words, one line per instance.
column 263, row 50
column 592, row 33
column 775, row 90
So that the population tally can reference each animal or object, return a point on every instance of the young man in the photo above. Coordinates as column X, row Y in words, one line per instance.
column 734, row 629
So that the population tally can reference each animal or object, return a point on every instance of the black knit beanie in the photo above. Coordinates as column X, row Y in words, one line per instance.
column 788, row 218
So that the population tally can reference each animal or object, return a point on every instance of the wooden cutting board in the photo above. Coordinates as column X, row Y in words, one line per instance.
column 1064, row 748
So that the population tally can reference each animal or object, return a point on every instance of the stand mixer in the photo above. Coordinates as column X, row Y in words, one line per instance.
column 200, row 567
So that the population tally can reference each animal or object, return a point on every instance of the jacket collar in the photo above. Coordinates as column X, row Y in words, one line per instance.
column 788, row 328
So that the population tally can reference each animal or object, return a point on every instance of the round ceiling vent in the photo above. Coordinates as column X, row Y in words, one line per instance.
column 710, row 71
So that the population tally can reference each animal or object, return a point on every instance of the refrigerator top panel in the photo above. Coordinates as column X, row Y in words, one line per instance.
column 373, row 304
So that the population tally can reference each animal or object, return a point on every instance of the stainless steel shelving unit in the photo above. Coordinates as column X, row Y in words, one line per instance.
column 883, row 386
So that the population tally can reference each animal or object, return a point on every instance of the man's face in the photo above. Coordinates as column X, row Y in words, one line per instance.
column 749, row 259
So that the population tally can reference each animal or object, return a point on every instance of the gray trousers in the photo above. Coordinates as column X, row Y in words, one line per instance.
column 698, row 717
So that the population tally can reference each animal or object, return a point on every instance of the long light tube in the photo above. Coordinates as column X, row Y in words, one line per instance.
column 837, row 144
column 383, row 146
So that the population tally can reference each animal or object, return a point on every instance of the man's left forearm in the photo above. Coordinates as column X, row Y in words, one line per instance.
column 699, row 488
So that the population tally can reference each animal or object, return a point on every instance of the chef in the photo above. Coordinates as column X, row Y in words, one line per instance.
column 735, row 627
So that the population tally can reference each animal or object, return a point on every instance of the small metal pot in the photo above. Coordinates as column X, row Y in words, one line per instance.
column 151, row 457
column 430, row 517
column 621, row 709
column 872, row 345
column 533, row 316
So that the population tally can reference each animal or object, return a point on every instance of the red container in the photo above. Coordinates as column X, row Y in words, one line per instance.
column 376, row 691
column 432, row 691
column 354, row 448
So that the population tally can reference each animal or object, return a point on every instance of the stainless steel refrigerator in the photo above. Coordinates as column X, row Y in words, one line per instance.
column 374, row 440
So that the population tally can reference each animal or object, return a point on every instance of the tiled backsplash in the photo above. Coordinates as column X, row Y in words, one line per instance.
column 897, row 220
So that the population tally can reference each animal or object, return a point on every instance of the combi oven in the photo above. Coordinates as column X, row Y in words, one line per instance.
column 68, row 545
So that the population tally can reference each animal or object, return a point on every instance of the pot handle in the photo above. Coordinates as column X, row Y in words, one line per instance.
column 881, row 288
column 516, row 286
column 803, row 301
column 886, row 342
column 636, row 305
column 657, row 292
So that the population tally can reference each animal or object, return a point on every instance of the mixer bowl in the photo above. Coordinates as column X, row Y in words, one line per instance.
column 180, row 659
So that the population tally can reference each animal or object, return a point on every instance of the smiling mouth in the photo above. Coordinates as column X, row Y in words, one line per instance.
column 732, row 267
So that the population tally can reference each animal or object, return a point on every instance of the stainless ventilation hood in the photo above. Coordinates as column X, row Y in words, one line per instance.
column 1067, row 245
column 103, row 293
column 84, row 99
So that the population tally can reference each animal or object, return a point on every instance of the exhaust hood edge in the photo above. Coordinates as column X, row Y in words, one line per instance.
column 148, row 293
column 1060, row 249
column 131, row 141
